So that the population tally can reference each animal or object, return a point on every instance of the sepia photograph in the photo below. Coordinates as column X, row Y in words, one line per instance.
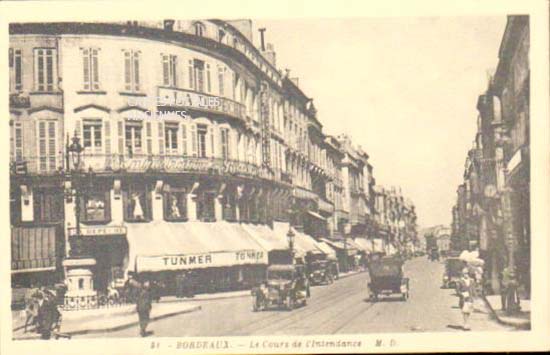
column 189, row 183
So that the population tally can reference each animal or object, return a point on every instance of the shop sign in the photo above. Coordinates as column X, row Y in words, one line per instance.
column 98, row 231
column 200, row 260
column 191, row 99
column 514, row 161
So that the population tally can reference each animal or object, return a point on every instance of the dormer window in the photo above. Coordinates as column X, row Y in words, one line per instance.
column 199, row 29
column 221, row 35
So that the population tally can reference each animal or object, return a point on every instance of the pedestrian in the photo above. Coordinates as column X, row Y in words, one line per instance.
column 466, row 287
column 47, row 316
column 143, row 306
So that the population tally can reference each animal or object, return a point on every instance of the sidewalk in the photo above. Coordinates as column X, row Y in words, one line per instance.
column 520, row 320
column 104, row 319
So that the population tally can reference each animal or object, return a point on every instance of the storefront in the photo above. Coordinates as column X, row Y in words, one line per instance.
column 219, row 256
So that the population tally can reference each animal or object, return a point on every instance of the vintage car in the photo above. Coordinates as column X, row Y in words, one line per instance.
column 386, row 278
column 286, row 286
column 453, row 272
column 320, row 272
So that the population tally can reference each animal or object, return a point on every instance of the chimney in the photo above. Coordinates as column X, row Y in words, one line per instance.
column 270, row 54
column 262, row 39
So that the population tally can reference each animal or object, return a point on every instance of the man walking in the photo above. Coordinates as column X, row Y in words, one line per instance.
column 143, row 306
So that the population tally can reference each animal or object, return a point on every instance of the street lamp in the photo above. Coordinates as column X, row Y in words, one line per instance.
column 290, row 237
column 74, row 156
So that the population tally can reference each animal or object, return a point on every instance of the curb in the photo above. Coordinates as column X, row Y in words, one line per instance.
column 125, row 326
column 494, row 315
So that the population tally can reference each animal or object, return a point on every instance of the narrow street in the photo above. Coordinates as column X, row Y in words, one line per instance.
column 340, row 308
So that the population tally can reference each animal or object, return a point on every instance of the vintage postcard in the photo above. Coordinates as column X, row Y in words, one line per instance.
column 274, row 177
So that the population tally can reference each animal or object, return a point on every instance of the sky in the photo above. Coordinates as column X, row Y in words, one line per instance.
column 405, row 89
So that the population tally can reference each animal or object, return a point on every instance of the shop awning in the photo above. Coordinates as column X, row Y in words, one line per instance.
column 268, row 238
column 365, row 244
column 340, row 245
column 306, row 243
column 331, row 253
column 316, row 215
column 161, row 246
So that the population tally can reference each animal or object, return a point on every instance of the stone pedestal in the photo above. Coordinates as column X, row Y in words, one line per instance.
column 80, row 286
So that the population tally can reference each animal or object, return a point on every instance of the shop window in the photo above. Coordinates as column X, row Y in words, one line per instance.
column 229, row 207
column 175, row 205
column 137, row 203
column 48, row 205
column 96, row 207
column 205, row 207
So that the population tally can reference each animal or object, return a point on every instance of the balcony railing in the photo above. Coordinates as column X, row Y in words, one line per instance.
column 325, row 206
column 137, row 163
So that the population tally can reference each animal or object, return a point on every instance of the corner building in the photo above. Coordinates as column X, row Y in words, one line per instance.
column 187, row 129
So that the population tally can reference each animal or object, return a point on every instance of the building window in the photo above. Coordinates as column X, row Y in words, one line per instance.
column 92, row 137
column 202, row 131
column 44, row 69
column 224, row 140
column 169, row 70
column 221, row 35
column 16, row 82
column 96, row 207
column 221, row 78
column 171, row 138
column 198, row 75
column 137, row 202
column 175, row 204
column 131, row 70
column 48, row 205
column 47, row 145
column 133, row 136
column 90, row 68
column 199, row 29
column 230, row 207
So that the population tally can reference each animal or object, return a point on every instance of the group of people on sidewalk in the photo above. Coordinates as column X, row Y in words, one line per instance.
column 42, row 312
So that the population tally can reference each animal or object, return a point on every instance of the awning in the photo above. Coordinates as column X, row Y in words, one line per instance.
column 340, row 245
column 365, row 244
column 331, row 253
column 306, row 243
column 316, row 215
column 160, row 246
column 268, row 238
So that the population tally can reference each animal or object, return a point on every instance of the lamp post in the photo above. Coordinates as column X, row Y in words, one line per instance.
column 73, row 161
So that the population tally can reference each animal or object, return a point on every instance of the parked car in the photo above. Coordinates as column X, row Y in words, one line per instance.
column 285, row 286
column 320, row 272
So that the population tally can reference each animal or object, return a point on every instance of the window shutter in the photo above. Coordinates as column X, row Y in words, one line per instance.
column 136, row 71
column 149, row 138
column 194, row 139
column 120, row 138
column 86, row 64
column 165, row 70
column 212, row 139
column 191, row 75
column 184, row 139
column 107, row 137
column 161, row 138
column 95, row 69
column 128, row 70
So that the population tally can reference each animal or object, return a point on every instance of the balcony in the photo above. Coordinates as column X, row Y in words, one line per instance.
column 325, row 206
column 193, row 100
column 302, row 193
